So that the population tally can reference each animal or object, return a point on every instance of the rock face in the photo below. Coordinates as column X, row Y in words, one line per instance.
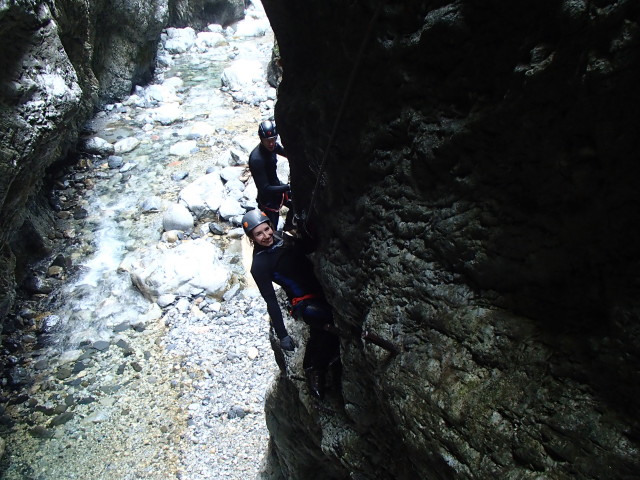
column 62, row 59
column 477, row 208
column 125, row 44
column 43, row 98
column 200, row 13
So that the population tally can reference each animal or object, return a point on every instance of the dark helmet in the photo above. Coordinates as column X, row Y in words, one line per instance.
column 252, row 219
column 267, row 129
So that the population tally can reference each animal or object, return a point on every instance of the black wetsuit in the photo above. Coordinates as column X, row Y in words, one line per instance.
column 271, row 192
column 288, row 266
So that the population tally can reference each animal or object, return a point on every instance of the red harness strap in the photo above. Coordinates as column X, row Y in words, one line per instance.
column 264, row 207
column 297, row 300
column 285, row 197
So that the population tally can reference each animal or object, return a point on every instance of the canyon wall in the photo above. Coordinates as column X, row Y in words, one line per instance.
column 477, row 202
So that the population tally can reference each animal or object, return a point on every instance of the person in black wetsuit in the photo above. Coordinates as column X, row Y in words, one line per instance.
column 286, row 264
column 263, row 162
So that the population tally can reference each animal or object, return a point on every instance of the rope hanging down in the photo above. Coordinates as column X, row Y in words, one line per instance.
column 343, row 103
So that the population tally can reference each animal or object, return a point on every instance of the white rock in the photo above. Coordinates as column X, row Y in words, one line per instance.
column 171, row 236
column 191, row 266
column 183, row 305
column 127, row 166
column 134, row 99
column 210, row 39
column 179, row 39
column 225, row 159
column 126, row 145
column 184, row 148
column 69, row 356
column 241, row 74
column 231, row 173
column 160, row 93
column 252, row 28
column 283, row 169
column 177, row 217
column 246, row 143
column 230, row 208
column 235, row 233
column 252, row 353
column 204, row 195
column 202, row 129
column 165, row 300
column 215, row 28
column 98, row 146
column 167, row 114
column 235, row 188
column 153, row 313
column 97, row 417
column 250, row 191
column 173, row 83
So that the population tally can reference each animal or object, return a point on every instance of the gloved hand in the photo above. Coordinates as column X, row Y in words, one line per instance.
column 286, row 343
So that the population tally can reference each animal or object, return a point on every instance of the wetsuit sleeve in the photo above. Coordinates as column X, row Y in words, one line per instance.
column 259, row 173
column 263, row 281
column 280, row 150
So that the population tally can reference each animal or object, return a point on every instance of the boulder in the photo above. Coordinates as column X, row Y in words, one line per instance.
column 230, row 208
column 97, row 146
column 204, row 196
column 184, row 148
column 177, row 217
column 191, row 268
column 206, row 40
column 242, row 74
column 179, row 40
column 250, row 27
column 167, row 113
column 126, row 145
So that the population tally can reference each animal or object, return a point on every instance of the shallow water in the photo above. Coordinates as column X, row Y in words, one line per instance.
column 86, row 306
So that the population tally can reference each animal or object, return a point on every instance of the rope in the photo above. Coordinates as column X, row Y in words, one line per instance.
column 343, row 103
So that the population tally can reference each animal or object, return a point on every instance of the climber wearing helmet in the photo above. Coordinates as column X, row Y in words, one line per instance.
column 263, row 162
column 286, row 264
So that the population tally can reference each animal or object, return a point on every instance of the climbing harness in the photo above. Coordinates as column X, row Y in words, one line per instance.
column 285, row 197
column 343, row 103
column 297, row 300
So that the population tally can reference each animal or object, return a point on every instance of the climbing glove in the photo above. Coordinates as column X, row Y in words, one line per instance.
column 286, row 343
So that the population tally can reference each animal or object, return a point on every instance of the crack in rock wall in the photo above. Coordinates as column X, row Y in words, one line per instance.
column 477, row 207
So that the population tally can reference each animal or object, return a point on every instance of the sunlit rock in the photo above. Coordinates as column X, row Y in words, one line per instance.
column 191, row 266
